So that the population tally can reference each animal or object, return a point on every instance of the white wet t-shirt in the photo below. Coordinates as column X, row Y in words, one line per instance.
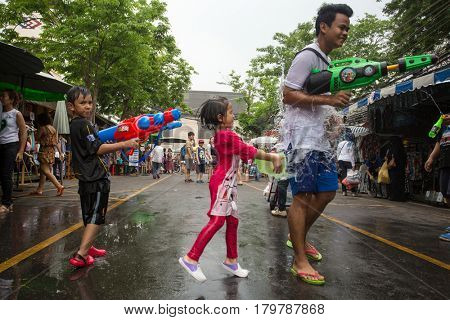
column 304, row 127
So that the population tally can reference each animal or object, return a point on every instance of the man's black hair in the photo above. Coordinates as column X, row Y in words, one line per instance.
column 191, row 134
column 211, row 109
column 74, row 92
column 327, row 13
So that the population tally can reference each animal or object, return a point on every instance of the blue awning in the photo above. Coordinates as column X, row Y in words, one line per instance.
column 363, row 102
column 404, row 86
column 442, row 75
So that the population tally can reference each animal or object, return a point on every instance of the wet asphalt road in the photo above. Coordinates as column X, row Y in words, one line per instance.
column 146, row 234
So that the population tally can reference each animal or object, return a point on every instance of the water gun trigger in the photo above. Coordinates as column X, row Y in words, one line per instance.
column 130, row 151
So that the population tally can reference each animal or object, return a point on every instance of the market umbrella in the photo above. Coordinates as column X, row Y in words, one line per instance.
column 17, row 61
column 37, row 87
column 61, row 121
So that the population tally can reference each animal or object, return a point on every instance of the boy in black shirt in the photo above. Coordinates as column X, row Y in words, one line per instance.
column 442, row 150
column 91, row 172
column 200, row 156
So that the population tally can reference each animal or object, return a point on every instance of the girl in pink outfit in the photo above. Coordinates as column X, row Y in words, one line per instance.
column 217, row 114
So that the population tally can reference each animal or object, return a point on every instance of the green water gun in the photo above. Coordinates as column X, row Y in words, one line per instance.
column 436, row 128
column 354, row 73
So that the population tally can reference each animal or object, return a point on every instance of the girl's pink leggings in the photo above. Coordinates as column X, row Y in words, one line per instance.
column 208, row 232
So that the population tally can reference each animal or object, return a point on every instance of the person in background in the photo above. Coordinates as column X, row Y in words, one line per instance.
column 148, row 159
column 169, row 161
column 396, row 158
column 254, row 168
column 363, row 173
column 13, row 139
column 346, row 158
column 157, row 159
column 212, row 155
column 373, row 166
column 189, row 156
column 282, row 188
column 48, row 139
column 441, row 151
column 119, row 164
column 200, row 159
column 59, row 167
column 164, row 163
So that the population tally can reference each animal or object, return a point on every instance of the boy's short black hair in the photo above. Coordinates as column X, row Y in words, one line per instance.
column 211, row 109
column 191, row 134
column 327, row 13
column 74, row 92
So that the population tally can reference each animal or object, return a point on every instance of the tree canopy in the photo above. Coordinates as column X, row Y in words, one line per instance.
column 121, row 49
column 419, row 26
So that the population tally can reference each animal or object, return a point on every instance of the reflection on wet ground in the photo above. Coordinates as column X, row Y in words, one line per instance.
column 146, row 235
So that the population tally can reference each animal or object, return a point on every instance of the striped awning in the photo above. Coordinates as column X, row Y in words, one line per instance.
column 441, row 76
column 359, row 131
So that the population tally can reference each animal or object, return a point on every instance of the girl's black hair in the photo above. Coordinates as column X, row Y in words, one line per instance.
column 211, row 109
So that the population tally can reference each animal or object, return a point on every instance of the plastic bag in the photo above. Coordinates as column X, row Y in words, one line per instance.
column 353, row 177
column 383, row 174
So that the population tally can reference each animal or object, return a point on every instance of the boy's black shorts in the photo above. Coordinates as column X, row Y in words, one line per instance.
column 94, row 200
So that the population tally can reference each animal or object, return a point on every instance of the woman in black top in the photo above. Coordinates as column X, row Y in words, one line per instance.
column 396, row 158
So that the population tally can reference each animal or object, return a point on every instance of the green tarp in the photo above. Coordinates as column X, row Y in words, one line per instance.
column 35, row 95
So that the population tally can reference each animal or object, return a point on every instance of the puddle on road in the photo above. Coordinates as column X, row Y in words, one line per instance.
column 143, row 217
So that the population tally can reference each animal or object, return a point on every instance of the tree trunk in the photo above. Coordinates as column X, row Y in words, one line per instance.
column 94, row 102
column 126, row 113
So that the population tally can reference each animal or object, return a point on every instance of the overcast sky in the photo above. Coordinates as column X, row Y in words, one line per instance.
column 217, row 36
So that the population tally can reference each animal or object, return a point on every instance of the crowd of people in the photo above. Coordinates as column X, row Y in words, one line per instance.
column 152, row 159
column 50, row 155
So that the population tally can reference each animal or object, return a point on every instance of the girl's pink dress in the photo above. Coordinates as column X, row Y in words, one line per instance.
column 223, row 189
column 223, row 183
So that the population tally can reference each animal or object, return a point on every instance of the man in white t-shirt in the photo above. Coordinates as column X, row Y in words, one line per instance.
column 157, row 160
column 305, row 136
